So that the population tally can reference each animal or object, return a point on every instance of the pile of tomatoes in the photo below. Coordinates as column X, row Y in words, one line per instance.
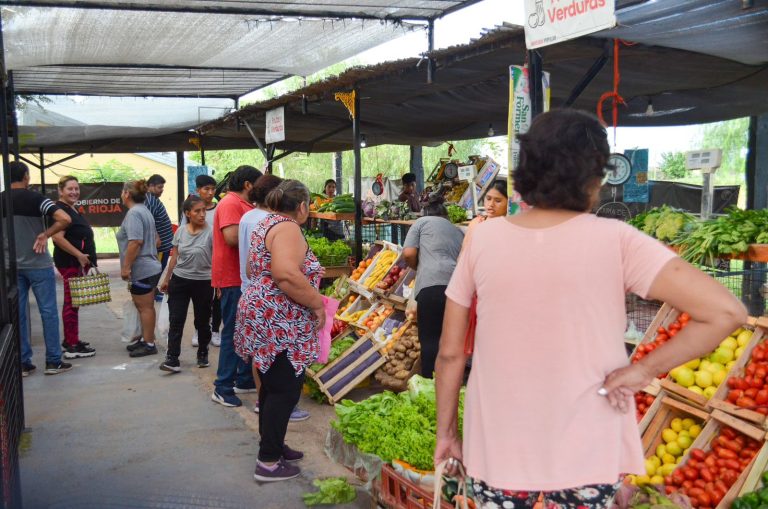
column 643, row 402
column 751, row 390
column 707, row 475
column 662, row 336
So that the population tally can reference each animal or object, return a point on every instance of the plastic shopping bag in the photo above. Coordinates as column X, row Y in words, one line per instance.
column 163, row 323
column 131, row 322
column 331, row 306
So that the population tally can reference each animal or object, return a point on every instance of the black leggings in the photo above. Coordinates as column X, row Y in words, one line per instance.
column 215, row 314
column 430, row 313
column 180, row 292
column 279, row 393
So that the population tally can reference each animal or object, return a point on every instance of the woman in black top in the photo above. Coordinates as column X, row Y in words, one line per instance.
column 74, row 253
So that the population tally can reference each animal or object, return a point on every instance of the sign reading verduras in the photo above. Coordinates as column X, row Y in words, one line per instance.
column 275, row 120
column 552, row 21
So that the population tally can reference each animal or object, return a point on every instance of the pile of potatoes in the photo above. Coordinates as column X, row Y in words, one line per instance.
column 402, row 355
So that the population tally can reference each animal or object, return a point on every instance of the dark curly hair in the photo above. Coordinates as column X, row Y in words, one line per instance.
column 562, row 156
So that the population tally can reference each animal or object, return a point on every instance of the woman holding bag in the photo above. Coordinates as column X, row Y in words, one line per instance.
column 550, row 325
column 278, row 320
column 74, row 253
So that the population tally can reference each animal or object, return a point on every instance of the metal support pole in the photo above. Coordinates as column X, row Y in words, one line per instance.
column 358, row 180
column 338, row 173
column 417, row 166
column 180, row 195
column 534, row 77
column 430, row 49
column 14, row 119
column 270, row 156
column 42, row 172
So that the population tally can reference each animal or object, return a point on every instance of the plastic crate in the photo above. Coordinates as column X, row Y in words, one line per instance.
column 399, row 493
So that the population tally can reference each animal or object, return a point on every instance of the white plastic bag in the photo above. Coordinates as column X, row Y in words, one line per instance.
column 163, row 322
column 131, row 322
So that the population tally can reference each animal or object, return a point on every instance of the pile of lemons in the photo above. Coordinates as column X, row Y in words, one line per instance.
column 677, row 439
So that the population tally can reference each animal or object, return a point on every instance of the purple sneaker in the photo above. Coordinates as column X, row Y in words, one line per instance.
column 291, row 455
column 282, row 472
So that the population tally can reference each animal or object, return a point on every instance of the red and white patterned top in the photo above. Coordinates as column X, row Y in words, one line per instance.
column 268, row 321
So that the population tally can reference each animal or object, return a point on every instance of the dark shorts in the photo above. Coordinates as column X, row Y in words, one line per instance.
column 144, row 286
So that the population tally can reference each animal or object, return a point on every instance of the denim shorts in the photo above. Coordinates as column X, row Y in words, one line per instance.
column 144, row 286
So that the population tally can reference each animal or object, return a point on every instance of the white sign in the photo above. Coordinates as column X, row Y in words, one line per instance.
column 275, row 125
column 552, row 21
column 467, row 172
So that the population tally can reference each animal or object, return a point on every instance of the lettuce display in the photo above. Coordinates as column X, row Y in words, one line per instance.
column 328, row 253
column 332, row 491
column 394, row 426
column 663, row 223
column 723, row 236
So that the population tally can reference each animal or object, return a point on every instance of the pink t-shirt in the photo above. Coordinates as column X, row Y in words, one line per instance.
column 551, row 321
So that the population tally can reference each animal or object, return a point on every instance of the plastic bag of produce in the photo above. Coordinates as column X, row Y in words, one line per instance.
column 331, row 306
column 163, row 324
column 131, row 323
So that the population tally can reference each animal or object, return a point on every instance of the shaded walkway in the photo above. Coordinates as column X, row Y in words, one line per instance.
column 116, row 432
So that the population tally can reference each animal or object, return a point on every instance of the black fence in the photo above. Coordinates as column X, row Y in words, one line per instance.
column 11, row 416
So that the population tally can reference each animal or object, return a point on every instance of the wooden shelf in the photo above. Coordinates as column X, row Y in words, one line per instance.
column 333, row 216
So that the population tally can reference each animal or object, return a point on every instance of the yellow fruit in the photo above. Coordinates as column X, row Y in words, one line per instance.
column 684, row 441
column 693, row 364
column 674, row 449
column 657, row 480
column 722, row 355
column 719, row 377
column 729, row 343
column 666, row 470
column 694, row 430
column 710, row 391
column 698, row 390
column 704, row 363
column 676, row 424
column 679, row 459
column 632, row 479
column 737, row 353
column 684, row 376
column 743, row 338
column 703, row 379
column 642, row 480
column 668, row 459
column 668, row 435
column 730, row 365
column 661, row 450
column 650, row 468
column 715, row 367
column 737, row 332
column 655, row 460
column 687, row 423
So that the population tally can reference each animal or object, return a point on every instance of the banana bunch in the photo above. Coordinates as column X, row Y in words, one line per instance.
column 354, row 317
column 384, row 263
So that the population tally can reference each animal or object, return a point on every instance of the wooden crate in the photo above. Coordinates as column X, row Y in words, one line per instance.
column 400, row 263
column 719, row 401
column 348, row 332
column 683, row 394
column 666, row 409
column 665, row 316
column 717, row 420
column 342, row 375
column 759, row 465
column 399, row 294
column 377, row 249
column 651, row 412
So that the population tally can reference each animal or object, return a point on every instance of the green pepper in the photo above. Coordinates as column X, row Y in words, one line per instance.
column 763, row 494
column 740, row 503
column 752, row 499
column 764, row 478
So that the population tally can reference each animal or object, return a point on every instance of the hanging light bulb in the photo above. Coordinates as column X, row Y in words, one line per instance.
column 491, row 132
column 649, row 110
column 362, row 141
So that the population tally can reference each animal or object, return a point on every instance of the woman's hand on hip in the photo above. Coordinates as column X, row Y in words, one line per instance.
column 621, row 384
column 448, row 448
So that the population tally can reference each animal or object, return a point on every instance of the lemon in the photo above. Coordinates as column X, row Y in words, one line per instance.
column 650, row 467
column 632, row 479
column 737, row 353
column 716, row 366
column 704, row 363
column 668, row 435
column 719, row 377
column 666, row 470
column 668, row 459
column 730, row 365
column 679, row 459
column 684, row 376
column 676, row 424
column 685, row 452
column 698, row 390
column 710, row 391
column 737, row 332
column 674, row 449
column 687, row 423
column 684, row 441
column 692, row 364
column 743, row 338
column 661, row 450
column 694, row 430
column 703, row 379
column 657, row 479
column 729, row 343
column 642, row 480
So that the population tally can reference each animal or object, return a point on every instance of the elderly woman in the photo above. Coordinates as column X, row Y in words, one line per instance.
column 278, row 320
column 137, row 241
column 550, row 285
column 74, row 253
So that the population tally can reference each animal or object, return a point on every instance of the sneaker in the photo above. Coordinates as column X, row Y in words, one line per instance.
column 256, row 407
column 298, row 415
column 54, row 368
column 202, row 360
column 228, row 400
column 64, row 345
column 171, row 365
column 291, row 455
column 194, row 339
column 282, row 472
column 79, row 351
column 144, row 350
column 245, row 390
column 133, row 345
column 215, row 339
column 27, row 368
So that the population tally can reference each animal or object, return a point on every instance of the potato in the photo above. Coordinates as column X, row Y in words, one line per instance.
column 400, row 355
column 406, row 343
column 402, row 375
column 413, row 354
column 417, row 347
column 408, row 363
column 400, row 347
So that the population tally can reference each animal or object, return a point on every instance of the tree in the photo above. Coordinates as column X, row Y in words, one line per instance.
column 111, row 171
column 732, row 137
column 673, row 165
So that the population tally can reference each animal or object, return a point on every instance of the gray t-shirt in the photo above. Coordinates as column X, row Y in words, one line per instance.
column 247, row 224
column 439, row 245
column 139, row 225
column 193, row 253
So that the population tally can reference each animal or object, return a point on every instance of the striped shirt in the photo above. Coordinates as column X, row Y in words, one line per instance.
column 162, row 222
column 32, row 213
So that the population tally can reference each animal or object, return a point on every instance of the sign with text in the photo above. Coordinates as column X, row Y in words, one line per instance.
column 275, row 120
column 552, row 21
column 99, row 203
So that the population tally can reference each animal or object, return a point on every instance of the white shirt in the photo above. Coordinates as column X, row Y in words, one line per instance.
column 247, row 224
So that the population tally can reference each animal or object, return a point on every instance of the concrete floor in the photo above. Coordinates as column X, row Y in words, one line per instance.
column 117, row 432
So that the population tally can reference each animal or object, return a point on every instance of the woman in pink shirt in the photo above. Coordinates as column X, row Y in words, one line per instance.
column 549, row 402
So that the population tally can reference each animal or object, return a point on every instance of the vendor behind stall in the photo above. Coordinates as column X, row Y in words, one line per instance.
column 409, row 193
column 332, row 230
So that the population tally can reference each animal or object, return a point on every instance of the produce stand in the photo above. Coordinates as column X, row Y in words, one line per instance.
column 665, row 411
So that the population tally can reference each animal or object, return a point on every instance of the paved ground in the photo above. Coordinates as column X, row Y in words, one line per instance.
column 117, row 432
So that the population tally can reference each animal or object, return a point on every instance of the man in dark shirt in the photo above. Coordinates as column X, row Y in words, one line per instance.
column 155, row 185
column 409, row 193
column 35, row 267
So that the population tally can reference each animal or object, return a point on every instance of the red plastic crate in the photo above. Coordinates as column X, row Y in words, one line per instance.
column 399, row 493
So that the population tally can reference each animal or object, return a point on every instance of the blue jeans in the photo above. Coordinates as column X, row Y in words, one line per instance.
column 232, row 370
column 43, row 284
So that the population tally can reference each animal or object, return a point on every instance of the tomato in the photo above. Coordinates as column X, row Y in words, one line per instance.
column 758, row 354
column 751, row 393
column 672, row 333
column 638, row 356
column 733, row 465
column 762, row 410
column 761, row 372
column 705, row 499
column 695, row 491
column 661, row 330
column 756, row 383
column 729, row 477
column 687, row 484
column 698, row 454
column 670, row 489
column 649, row 400
column 726, row 454
column 711, row 461
column 706, row 474
column 693, row 463
column 745, row 402
column 700, row 483
column 675, row 326
column 684, row 317
column 762, row 397
column 734, row 394
column 730, row 444
column 662, row 337
column 690, row 473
